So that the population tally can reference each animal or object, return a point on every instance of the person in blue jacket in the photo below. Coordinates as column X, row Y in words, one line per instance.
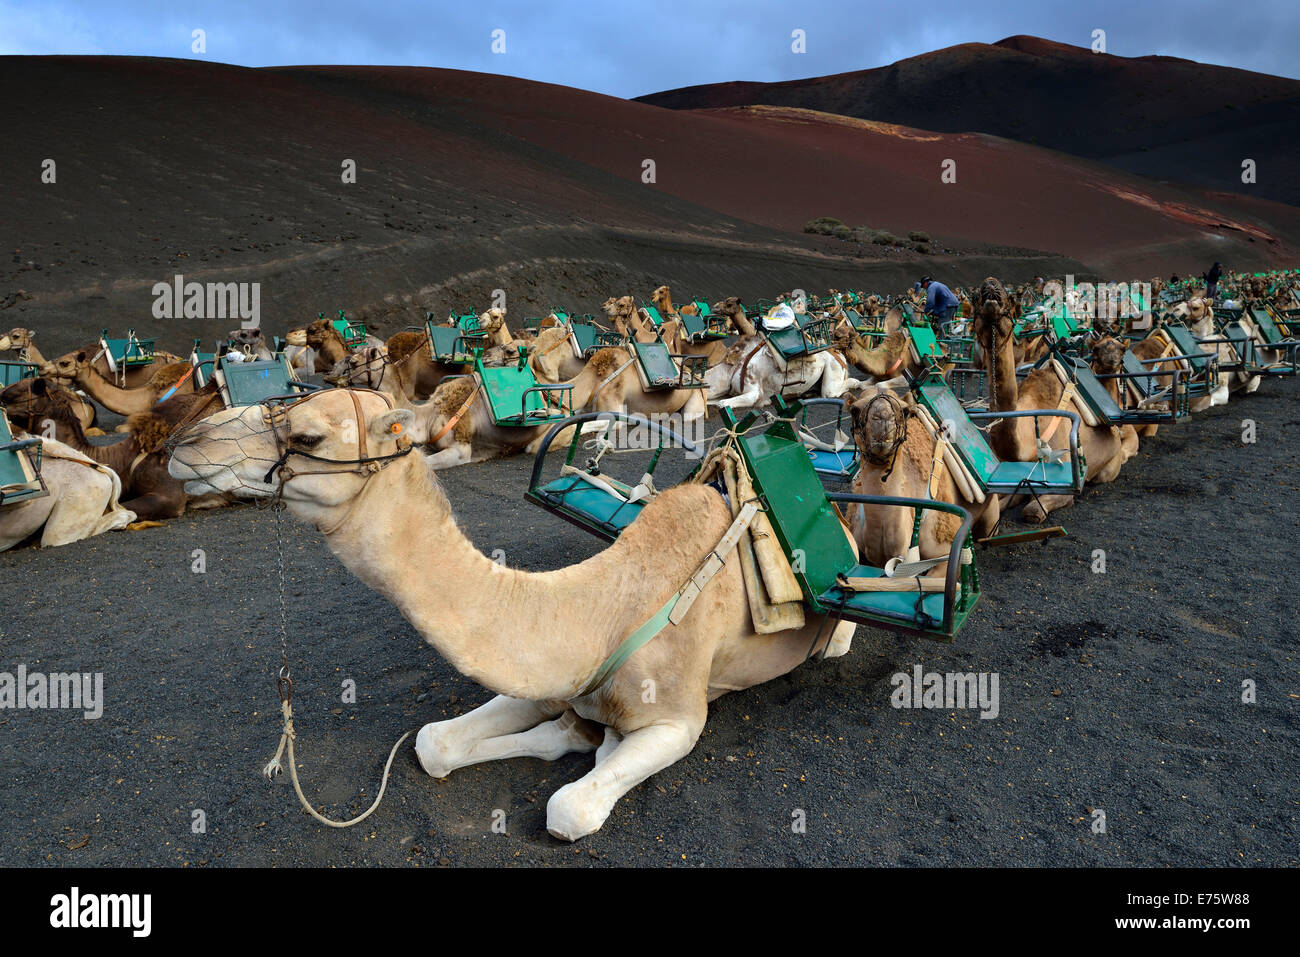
column 940, row 303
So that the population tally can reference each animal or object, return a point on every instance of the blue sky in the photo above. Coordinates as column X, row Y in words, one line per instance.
column 630, row 48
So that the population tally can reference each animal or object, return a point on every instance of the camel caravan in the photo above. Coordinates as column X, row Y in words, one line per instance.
column 855, row 453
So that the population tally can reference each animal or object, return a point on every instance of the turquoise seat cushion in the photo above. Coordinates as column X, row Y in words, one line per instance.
column 1042, row 475
column 844, row 462
column 899, row 605
column 588, row 504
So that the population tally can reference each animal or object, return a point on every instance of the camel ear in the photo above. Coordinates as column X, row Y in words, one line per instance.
column 391, row 425
column 39, row 387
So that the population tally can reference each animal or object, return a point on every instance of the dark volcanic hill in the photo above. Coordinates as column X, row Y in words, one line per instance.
column 468, row 183
column 1162, row 117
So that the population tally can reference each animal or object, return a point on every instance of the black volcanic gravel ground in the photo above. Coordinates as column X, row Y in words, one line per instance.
column 1119, row 691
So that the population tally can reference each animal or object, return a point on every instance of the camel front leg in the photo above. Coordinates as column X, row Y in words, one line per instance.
column 580, row 808
column 458, row 454
column 550, row 741
column 443, row 745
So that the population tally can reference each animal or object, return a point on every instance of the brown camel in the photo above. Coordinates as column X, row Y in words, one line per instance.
column 457, row 422
column 898, row 457
column 140, row 460
column 1015, row 439
column 83, row 369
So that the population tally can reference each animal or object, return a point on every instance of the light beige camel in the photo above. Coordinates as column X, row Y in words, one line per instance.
column 82, row 369
column 625, row 392
column 82, row 501
column 535, row 639
column 1015, row 439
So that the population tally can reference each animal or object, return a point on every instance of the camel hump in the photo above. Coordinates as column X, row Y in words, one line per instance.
column 149, row 430
column 165, row 377
column 403, row 344
column 606, row 361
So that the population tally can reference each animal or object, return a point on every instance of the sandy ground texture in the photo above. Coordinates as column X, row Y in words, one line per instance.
column 1119, row 692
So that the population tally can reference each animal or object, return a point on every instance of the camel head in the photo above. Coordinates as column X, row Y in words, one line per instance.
column 67, row 367
column 27, row 400
column 246, row 337
column 296, row 337
column 249, row 450
column 493, row 321
column 1108, row 356
column 728, row 307
column 992, row 314
column 16, row 338
column 663, row 299
column 318, row 333
column 362, row 369
column 880, row 424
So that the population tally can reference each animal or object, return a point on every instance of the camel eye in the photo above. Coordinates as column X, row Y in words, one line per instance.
column 307, row 441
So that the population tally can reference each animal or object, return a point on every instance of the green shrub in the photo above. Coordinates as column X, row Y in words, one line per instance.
column 822, row 225
column 918, row 237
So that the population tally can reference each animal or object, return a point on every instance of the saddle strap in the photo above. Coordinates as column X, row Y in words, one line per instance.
column 675, row 609
column 451, row 423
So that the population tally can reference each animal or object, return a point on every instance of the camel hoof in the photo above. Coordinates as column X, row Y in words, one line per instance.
column 1032, row 514
column 431, row 748
column 569, row 817
column 841, row 640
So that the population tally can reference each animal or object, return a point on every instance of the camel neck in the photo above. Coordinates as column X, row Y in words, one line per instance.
column 122, row 401
column 528, row 635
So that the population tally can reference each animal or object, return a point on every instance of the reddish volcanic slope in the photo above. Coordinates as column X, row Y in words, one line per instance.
column 469, row 182
column 1158, row 116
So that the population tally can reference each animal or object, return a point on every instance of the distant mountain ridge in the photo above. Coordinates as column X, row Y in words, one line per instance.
column 1158, row 116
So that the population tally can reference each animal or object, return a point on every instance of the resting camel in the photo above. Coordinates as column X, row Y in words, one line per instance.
column 625, row 392
column 749, row 375
column 1014, row 439
column 82, row 501
column 663, row 301
column 458, row 423
column 886, row 362
column 897, row 456
column 81, row 368
column 404, row 367
column 533, row 638
column 139, row 460
column 130, row 378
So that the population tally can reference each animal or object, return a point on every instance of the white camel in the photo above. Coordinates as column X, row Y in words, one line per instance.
column 82, row 501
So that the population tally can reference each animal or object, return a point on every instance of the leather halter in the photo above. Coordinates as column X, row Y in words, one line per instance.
column 277, row 416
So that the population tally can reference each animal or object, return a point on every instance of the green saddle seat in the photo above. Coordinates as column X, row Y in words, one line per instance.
column 587, row 338
column 800, row 340
column 808, row 528
column 250, row 383
column 128, row 352
column 452, row 345
column 993, row 474
column 20, row 478
column 515, row 399
column 1101, row 401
